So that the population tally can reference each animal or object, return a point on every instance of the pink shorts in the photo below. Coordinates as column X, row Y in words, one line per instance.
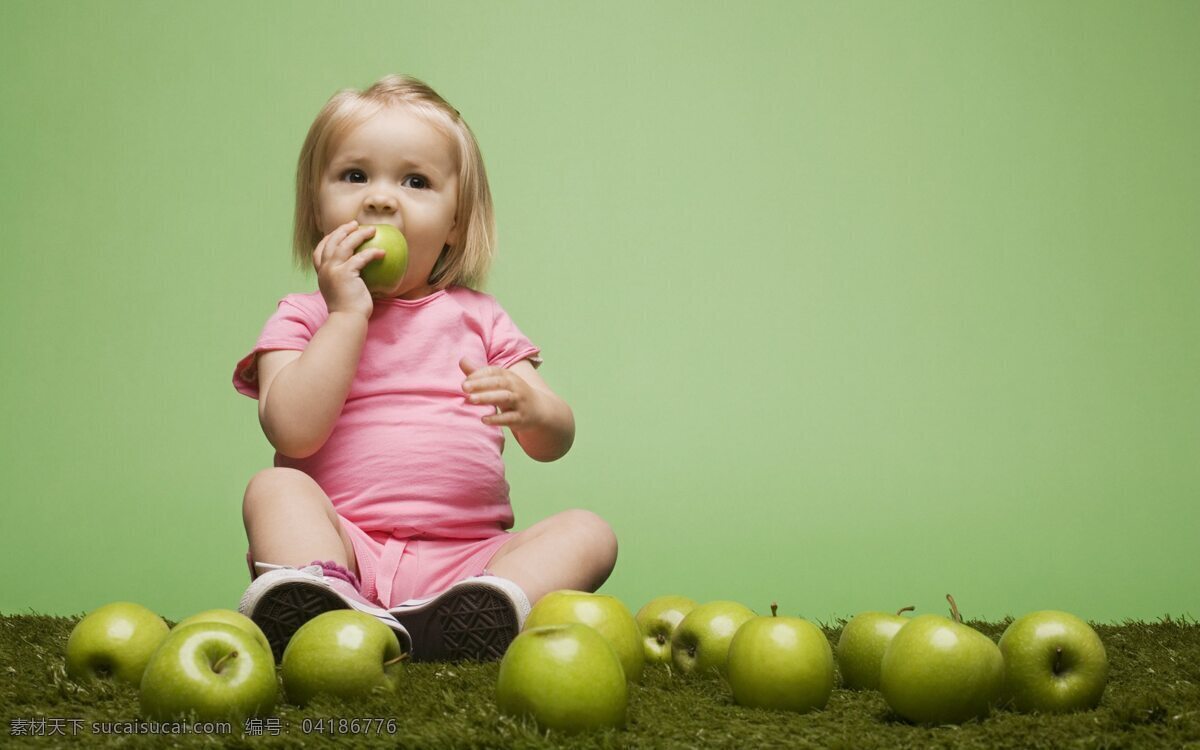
column 395, row 570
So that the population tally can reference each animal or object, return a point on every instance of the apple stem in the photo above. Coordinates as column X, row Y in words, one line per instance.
column 397, row 660
column 774, row 609
column 902, row 610
column 1057, row 659
column 954, row 609
column 221, row 662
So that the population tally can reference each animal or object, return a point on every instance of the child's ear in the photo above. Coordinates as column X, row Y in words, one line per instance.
column 455, row 233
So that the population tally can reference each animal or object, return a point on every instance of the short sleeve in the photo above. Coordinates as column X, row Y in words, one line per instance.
column 292, row 326
column 507, row 345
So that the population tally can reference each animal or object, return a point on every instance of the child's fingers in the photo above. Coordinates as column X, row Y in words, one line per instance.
column 328, row 241
column 357, row 261
column 350, row 242
column 339, row 233
column 506, row 400
column 347, row 237
column 504, row 419
column 482, row 380
column 490, row 376
column 318, row 255
column 478, row 371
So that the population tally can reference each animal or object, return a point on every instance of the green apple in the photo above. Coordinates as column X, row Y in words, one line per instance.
column 384, row 274
column 657, row 621
column 940, row 671
column 700, row 643
column 566, row 677
column 861, row 645
column 116, row 640
column 211, row 671
column 1054, row 662
column 229, row 617
column 343, row 653
column 606, row 614
column 782, row 663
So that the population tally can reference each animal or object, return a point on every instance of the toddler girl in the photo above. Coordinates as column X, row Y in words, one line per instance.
column 387, row 410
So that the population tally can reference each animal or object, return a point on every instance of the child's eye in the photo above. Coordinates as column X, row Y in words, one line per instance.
column 416, row 182
column 354, row 175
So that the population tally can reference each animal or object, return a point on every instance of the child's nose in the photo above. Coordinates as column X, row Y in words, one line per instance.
column 381, row 202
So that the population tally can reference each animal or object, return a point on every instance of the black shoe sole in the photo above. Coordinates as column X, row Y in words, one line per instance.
column 282, row 610
column 471, row 622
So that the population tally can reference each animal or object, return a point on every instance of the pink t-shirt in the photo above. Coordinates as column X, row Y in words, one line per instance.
column 409, row 455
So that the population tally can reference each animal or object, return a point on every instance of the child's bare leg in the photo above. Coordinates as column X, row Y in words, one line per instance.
column 575, row 549
column 290, row 521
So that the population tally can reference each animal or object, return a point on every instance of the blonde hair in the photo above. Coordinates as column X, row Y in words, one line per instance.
column 465, row 264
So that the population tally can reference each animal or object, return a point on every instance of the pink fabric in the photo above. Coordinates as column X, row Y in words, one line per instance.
column 331, row 569
column 414, row 568
column 395, row 570
column 408, row 457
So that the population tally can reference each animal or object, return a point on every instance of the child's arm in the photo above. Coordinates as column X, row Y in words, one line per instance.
column 301, row 394
column 541, row 421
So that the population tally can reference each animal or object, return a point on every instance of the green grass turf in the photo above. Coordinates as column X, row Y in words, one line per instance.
column 1152, row 701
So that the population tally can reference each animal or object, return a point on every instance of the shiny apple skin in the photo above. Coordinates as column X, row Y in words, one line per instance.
column 781, row 663
column 657, row 621
column 607, row 615
column 1030, row 648
column 936, row 671
column 385, row 273
column 861, row 646
column 212, row 671
column 700, row 643
column 115, row 640
column 566, row 677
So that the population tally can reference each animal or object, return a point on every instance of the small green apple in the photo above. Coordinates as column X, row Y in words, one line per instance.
column 229, row 617
column 384, row 274
column 212, row 671
column 940, row 671
column 342, row 653
column 116, row 640
column 1054, row 662
column 566, row 677
column 606, row 614
column 782, row 663
column 861, row 645
column 700, row 643
column 657, row 621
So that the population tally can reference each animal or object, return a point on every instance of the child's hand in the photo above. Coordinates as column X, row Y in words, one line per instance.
column 541, row 421
column 338, row 269
column 518, row 403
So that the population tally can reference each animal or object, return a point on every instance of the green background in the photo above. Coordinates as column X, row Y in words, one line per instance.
column 857, row 304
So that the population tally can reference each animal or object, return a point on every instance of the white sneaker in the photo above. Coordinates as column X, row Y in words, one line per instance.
column 475, row 619
column 283, row 599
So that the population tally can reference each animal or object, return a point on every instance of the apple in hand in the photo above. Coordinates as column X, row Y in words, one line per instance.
column 780, row 663
column 566, row 677
column 383, row 274
column 229, row 617
column 1054, row 662
column 861, row 645
column 940, row 671
column 700, row 643
column 212, row 671
column 116, row 640
column 657, row 621
column 606, row 614
column 343, row 653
